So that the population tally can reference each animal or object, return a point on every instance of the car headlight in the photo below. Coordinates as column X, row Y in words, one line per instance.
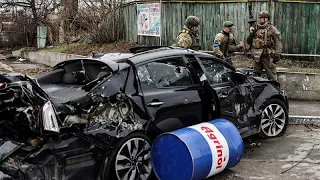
column 49, row 118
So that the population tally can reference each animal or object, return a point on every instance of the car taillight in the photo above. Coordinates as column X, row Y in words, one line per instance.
column 2, row 85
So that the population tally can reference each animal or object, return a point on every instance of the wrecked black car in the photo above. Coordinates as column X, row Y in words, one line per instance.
column 96, row 117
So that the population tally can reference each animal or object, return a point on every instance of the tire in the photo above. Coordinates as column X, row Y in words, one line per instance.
column 274, row 119
column 120, row 166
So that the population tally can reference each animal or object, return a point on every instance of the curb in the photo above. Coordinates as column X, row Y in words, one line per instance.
column 294, row 119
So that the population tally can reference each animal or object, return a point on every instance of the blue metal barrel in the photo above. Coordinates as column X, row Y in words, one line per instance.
column 197, row 152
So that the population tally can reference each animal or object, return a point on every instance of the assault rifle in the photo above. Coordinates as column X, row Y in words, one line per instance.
column 251, row 21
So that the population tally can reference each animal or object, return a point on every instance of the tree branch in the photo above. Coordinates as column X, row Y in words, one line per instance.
column 21, row 4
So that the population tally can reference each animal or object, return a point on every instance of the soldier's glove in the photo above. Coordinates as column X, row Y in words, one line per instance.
column 276, row 58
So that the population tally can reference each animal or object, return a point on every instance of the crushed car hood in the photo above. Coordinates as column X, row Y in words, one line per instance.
column 260, row 79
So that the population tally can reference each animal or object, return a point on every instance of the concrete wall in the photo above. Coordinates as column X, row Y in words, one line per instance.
column 305, row 86
column 298, row 85
column 47, row 58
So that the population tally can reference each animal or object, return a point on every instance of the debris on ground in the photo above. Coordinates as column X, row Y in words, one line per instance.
column 34, row 72
column 250, row 143
column 21, row 59
column 312, row 127
column 20, row 65
column 311, row 66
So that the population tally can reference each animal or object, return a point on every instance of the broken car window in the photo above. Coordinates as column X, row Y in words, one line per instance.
column 144, row 75
column 217, row 72
column 165, row 73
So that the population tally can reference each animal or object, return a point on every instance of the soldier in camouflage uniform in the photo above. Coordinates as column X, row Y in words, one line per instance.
column 188, row 37
column 224, row 43
column 266, row 46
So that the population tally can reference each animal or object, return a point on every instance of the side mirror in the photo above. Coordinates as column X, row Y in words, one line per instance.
column 238, row 77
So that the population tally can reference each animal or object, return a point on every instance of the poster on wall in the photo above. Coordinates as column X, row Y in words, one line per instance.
column 148, row 19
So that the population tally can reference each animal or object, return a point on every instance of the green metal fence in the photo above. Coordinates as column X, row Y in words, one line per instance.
column 298, row 22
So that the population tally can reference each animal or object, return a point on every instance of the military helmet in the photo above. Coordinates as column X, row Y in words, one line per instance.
column 264, row 14
column 192, row 21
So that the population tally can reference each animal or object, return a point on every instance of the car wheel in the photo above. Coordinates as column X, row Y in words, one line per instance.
column 131, row 159
column 274, row 119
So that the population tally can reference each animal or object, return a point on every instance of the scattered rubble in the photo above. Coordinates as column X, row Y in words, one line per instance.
column 20, row 65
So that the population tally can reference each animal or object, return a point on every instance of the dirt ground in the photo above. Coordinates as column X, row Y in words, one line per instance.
column 87, row 49
column 311, row 66
column 23, row 66
column 239, row 61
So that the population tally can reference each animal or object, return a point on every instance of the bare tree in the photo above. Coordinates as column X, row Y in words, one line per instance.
column 102, row 19
column 27, row 15
column 39, row 9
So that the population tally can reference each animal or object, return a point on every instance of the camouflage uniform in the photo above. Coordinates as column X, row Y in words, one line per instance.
column 187, row 38
column 266, row 47
column 224, row 44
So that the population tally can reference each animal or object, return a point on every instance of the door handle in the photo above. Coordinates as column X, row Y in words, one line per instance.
column 155, row 104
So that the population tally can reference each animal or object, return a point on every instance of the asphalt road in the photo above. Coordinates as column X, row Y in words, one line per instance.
column 304, row 108
column 296, row 155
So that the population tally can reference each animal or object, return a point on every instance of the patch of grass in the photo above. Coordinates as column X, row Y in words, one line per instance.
column 87, row 49
column 64, row 48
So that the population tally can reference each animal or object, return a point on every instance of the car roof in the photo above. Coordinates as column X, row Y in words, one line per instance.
column 150, row 54
column 114, row 59
column 109, row 59
column 164, row 52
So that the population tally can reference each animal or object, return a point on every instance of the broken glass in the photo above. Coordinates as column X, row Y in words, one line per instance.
column 7, row 148
column 165, row 73
column 217, row 72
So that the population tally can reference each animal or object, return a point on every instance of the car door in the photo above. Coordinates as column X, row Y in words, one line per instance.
column 234, row 96
column 219, row 80
column 171, row 96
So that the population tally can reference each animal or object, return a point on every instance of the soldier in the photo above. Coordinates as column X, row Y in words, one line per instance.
column 266, row 46
column 188, row 37
column 224, row 43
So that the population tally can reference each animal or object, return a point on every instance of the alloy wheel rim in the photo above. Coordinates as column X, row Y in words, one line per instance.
column 133, row 160
column 273, row 120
